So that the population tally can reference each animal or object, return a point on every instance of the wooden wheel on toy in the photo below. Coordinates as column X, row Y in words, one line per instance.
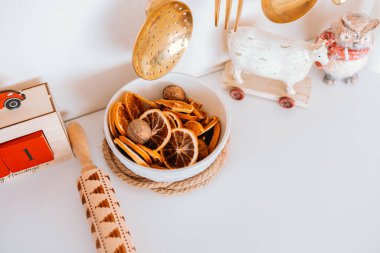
column 237, row 93
column 286, row 102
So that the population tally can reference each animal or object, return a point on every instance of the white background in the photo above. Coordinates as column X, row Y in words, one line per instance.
column 305, row 180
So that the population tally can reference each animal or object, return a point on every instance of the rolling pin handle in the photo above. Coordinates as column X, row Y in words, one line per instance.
column 79, row 145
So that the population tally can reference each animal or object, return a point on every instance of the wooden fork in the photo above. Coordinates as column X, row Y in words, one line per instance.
column 228, row 13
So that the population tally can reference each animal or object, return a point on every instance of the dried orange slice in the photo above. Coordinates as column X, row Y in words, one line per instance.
column 158, row 167
column 173, row 119
column 111, row 121
column 194, row 103
column 176, row 106
column 186, row 116
column 160, row 126
column 157, row 158
column 198, row 110
column 215, row 138
column 181, row 150
column 194, row 126
column 133, row 105
column 135, row 157
column 120, row 118
column 210, row 123
column 171, row 122
column 202, row 149
column 207, row 121
column 146, row 101
column 137, row 149
column 198, row 113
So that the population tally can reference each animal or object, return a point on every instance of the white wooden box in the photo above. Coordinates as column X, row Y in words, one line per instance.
column 37, row 114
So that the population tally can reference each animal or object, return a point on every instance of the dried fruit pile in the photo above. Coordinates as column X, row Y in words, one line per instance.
column 169, row 133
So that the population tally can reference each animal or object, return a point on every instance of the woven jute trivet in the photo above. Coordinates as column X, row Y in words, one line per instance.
column 175, row 188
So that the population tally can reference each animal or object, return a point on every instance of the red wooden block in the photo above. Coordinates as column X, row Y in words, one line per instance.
column 26, row 152
column 4, row 171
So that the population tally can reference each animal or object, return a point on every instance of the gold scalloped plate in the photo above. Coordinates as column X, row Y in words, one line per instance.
column 162, row 40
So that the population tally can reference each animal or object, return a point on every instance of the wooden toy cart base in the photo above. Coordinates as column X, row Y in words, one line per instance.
column 269, row 89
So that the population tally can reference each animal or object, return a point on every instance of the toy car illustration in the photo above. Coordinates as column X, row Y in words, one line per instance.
column 11, row 99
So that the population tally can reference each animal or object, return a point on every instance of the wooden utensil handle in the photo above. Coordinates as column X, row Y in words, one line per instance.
column 79, row 145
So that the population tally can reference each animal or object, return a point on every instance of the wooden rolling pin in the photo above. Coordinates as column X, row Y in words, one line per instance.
column 98, row 197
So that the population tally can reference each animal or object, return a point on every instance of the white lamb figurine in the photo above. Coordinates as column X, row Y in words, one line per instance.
column 273, row 56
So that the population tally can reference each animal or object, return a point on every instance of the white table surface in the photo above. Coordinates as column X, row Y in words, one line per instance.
column 304, row 180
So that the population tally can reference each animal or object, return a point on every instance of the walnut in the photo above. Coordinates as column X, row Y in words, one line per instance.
column 174, row 92
column 139, row 131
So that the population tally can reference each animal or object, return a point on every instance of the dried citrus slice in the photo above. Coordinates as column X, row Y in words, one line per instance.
column 203, row 149
column 133, row 105
column 120, row 118
column 198, row 110
column 111, row 122
column 198, row 113
column 157, row 158
column 146, row 101
column 186, row 116
column 194, row 103
column 160, row 126
column 195, row 126
column 215, row 138
column 137, row 149
column 135, row 157
column 181, row 150
column 176, row 106
column 158, row 167
column 210, row 122
column 173, row 119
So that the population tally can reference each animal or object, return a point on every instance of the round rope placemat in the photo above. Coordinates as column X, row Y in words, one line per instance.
column 175, row 188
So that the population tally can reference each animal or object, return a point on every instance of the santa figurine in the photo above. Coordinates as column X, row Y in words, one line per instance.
column 349, row 41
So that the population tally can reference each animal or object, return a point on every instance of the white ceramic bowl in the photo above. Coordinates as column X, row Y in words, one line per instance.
column 195, row 89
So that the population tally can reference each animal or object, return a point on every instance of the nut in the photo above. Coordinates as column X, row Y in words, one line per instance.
column 139, row 131
column 237, row 93
column 174, row 92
